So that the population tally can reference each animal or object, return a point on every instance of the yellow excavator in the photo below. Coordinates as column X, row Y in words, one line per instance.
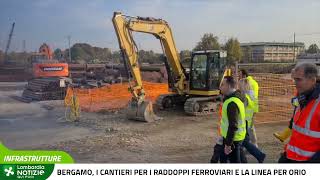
column 196, row 88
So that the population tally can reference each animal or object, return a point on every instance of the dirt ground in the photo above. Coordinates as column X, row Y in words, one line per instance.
column 108, row 137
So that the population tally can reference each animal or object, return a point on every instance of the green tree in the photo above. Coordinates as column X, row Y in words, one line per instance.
column 233, row 49
column 313, row 49
column 185, row 54
column 104, row 54
column 208, row 42
column 185, row 57
column 116, row 57
column 149, row 57
column 82, row 52
column 57, row 54
column 79, row 53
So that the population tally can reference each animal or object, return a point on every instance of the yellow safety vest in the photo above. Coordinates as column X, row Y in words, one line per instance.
column 255, row 87
column 249, row 110
column 241, row 132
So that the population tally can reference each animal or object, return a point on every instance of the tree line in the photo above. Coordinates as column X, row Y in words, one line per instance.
column 85, row 53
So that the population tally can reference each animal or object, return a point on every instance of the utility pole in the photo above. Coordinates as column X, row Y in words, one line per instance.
column 24, row 49
column 8, row 43
column 69, row 37
column 24, row 46
column 294, row 47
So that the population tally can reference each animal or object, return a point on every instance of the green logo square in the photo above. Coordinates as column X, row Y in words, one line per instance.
column 8, row 170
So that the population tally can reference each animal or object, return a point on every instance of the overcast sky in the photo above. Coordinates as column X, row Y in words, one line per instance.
column 51, row 21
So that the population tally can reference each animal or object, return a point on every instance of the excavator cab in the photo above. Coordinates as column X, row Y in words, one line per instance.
column 45, row 66
column 206, row 71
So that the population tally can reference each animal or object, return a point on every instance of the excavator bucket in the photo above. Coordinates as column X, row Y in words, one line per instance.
column 141, row 112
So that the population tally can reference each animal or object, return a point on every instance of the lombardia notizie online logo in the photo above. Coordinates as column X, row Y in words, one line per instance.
column 29, row 164
column 8, row 170
column 24, row 171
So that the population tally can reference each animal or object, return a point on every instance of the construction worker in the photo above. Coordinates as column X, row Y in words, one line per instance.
column 286, row 133
column 304, row 143
column 233, row 125
column 244, row 87
column 243, row 74
column 218, row 149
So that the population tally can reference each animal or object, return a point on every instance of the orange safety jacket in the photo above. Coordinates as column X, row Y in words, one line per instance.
column 305, row 138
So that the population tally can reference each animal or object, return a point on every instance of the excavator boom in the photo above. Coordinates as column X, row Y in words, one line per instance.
column 125, row 25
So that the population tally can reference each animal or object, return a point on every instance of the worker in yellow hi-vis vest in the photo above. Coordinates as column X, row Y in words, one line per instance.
column 233, row 123
column 243, row 74
column 244, row 87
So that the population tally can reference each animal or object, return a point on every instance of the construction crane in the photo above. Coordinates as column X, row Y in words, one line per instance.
column 8, row 44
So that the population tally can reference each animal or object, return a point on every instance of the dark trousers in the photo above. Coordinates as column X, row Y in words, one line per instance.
column 283, row 159
column 237, row 155
column 253, row 150
column 218, row 154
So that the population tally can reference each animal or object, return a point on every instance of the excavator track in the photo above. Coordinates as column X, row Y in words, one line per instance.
column 167, row 101
column 161, row 99
column 201, row 106
column 195, row 106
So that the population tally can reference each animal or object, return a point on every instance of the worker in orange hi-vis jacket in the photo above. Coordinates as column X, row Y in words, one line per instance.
column 304, row 143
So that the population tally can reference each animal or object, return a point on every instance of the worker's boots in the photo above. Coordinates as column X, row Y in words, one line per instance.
column 282, row 136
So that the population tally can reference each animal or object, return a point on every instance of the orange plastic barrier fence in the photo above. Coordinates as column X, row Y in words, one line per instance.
column 112, row 97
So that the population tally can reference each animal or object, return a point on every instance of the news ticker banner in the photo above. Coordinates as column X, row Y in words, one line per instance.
column 35, row 164
column 186, row 171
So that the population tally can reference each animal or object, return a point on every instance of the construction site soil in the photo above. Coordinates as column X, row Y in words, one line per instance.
column 109, row 137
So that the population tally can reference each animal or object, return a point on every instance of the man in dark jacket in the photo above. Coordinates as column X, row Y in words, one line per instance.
column 233, row 125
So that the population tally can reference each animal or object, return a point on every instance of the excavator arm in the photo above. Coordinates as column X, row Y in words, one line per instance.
column 161, row 30
column 124, row 26
column 139, row 108
column 46, row 51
